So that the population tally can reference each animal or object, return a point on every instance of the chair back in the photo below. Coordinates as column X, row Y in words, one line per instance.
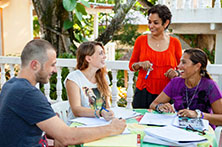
column 218, row 135
column 61, row 108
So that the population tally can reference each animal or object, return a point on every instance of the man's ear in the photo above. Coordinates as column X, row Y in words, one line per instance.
column 35, row 64
column 88, row 58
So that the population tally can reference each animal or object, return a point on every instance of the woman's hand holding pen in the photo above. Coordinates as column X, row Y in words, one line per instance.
column 167, row 107
column 107, row 114
column 145, row 65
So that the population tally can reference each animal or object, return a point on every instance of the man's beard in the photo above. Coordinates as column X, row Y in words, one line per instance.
column 41, row 77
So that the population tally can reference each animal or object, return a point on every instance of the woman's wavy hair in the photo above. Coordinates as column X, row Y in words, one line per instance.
column 199, row 56
column 88, row 49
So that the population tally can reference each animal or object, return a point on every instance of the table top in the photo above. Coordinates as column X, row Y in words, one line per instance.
column 135, row 128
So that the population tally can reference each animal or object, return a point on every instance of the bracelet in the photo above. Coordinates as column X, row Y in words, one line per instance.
column 157, row 108
column 96, row 114
column 202, row 115
column 178, row 72
column 100, row 112
column 133, row 66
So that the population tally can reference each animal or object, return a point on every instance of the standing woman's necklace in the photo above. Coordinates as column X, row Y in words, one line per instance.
column 187, row 98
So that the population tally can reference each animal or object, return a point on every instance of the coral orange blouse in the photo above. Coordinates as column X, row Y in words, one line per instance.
column 162, row 61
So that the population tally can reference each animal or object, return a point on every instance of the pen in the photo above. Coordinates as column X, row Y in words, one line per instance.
column 148, row 71
column 105, row 109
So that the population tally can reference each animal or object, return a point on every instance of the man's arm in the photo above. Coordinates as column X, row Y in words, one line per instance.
column 56, row 128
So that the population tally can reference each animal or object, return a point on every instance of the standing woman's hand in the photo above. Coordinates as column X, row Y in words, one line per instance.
column 145, row 65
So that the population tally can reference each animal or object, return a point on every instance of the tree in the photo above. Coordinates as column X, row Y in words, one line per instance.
column 52, row 15
column 56, row 22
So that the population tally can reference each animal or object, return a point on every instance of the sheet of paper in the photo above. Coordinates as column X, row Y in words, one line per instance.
column 124, row 113
column 94, row 122
column 157, row 119
column 91, row 121
column 129, row 140
column 174, row 134
column 155, row 140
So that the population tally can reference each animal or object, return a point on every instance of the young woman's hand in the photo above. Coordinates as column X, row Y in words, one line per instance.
column 107, row 115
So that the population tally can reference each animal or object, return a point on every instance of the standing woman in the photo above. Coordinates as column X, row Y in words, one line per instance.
column 157, row 52
column 87, row 87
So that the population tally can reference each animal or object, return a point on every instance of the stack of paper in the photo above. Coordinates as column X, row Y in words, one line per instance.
column 154, row 140
column 129, row 140
column 157, row 119
column 173, row 135
column 120, row 112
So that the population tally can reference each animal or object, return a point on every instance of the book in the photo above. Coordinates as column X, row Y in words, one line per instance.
column 129, row 140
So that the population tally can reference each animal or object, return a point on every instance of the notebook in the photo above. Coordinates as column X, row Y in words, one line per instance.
column 129, row 140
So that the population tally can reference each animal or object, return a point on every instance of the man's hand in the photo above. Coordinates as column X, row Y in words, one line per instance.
column 117, row 125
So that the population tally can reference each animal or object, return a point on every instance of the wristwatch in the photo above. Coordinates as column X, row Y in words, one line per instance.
column 198, row 113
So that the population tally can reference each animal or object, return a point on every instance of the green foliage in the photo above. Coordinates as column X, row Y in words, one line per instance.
column 80, row 22
column 210, row 55
column 36, row 26
column 118, row 54
column 69, row 5
column 122, row 102
column 192, row 39
column 128, row 35
column 153, row 1
column 68, row 24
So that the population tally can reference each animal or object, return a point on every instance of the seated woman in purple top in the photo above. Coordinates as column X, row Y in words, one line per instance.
column 194, row 93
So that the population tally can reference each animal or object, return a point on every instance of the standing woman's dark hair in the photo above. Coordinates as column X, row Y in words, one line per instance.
column 199, row 56
column 88, row 49
column 163, row 12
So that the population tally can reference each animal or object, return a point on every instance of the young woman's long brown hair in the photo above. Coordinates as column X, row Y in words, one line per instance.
column 88, row 49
